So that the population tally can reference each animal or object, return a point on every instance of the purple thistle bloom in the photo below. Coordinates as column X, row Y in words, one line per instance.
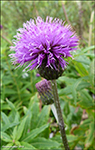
column 44, row 45
column 1, row 26
column 37, row 75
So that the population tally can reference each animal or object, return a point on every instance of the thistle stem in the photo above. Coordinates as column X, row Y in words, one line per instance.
column 59, row 113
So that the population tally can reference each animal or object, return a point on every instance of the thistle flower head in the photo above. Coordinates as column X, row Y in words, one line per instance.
column 45, row 91
column 44, row 45
column 1, row 26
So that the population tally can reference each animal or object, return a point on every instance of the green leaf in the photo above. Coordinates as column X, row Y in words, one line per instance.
column 74, row 87
column 43, row 117
column 20, row 129
column 10, row 91
column 7, row 80
column 7, row 147
column 74, row 94
column 81, row 69
column 83, row 59
column 26, row 86
column 12, row 106
column 86, row 100
column 26, row 146
column 85, row 123
column 10, row 125
column 5, row 118
column 66, row 108
column 89, row 48
column 66, row 91
column 28, row 122
column 35, row 113
column 14, row 132
column 5, row 107
column 91, row 73
column 32, row 134
column 5, row 137
column 82, row 85
column 72, row 138
column 17, row 116
column 42, row 143
column 90, row 135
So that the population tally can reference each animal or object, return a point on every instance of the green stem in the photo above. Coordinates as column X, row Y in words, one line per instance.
column 59, row 113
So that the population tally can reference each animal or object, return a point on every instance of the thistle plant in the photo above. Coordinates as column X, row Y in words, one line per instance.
column 44, row 45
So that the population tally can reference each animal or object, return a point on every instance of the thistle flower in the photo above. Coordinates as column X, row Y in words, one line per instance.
column 1, row 26
column 44, row 45
column 45, row 91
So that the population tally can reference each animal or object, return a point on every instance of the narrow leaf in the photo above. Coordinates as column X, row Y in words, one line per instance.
column 90, row 136
column 34, row 133
column 20, row 129
column 5, row 118
column 25, row 146
column 5, row 137
column 7, row 147
column 43, row 117
column 42, row 143
column 10, row 125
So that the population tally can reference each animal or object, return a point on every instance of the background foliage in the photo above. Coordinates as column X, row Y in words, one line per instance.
column 25, row 122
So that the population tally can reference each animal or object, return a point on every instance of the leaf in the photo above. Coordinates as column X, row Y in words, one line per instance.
column 7, row 147
column 82, row 85
column 5, row 137
column 16, row 117
column 42, row 143
column 20, row 129
column 86, row 100
column 14, row 132
column 81, row 69
column 10, row 91
column 89, row 48
column 84, row 50
column 90, row 135
column 26, row 146
column 32, row 134
column 83, row 59
column 91, row 73
column 28, row 122
column 35, row 113
column 85, row 123
column 5, row 107
column 72, row 138
column 7, row 80
column 10, row 125
column 12, row 106
column 43, row 117
column 74, row 88
column 5, row 118
column 66, row 91
column 74, row 94
column 66, row 108
column 26, row 86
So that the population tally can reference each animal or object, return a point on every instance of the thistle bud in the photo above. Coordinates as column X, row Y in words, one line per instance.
column 45, row 91
column 50, row 73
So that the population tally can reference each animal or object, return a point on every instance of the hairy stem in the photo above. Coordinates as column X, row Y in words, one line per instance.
column 6, row 39
column 59, row 113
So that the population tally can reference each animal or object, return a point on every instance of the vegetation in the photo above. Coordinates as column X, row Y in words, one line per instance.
column 25, row 122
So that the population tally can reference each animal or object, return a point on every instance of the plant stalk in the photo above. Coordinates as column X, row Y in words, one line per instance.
column 59, row 113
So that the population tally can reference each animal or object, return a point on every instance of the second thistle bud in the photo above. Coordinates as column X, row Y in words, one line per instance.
column 45, row 91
